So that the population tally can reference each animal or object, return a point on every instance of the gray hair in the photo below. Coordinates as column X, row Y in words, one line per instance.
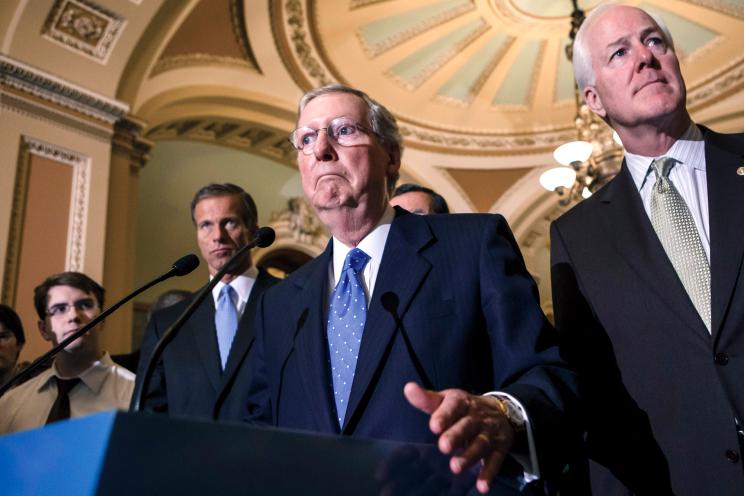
column 582, row 61
column 380, row 120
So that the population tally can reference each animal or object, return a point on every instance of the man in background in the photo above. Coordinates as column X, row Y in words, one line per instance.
column 12, row 340
column 419, row 200
column 197, row 375
column 82, row 379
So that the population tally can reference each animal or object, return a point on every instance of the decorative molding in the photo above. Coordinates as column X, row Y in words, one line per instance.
column 717, row 86
column 486, row 144
column 26, row 79
column 356, row 4
column 199, row 60
column 297, row 29
column 254, row 138
column 75, row 250
column 237, row 16
column 84, row 27
column 80, row 196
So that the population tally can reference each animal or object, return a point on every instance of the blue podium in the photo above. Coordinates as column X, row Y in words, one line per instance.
column 114, row 453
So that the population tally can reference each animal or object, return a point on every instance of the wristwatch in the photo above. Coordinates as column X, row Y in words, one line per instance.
column 512, row 413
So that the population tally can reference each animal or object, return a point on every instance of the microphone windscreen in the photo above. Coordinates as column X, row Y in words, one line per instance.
column 264, row 237
column 185, row 265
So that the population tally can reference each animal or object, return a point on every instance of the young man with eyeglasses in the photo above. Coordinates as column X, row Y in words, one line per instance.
column 82, row 380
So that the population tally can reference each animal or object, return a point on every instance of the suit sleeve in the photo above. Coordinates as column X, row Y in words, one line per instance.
column 525, row 354
column 258, row 407
column 618, row 432
column 156, row 398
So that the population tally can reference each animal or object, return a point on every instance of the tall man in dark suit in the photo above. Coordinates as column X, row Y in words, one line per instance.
column 197, row 374
column 648, row 281
column 400, row 301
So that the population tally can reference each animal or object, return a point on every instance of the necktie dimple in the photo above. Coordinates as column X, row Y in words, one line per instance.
column 347, row 314
column 61, row 406
column 679, row 236
column 226, row 322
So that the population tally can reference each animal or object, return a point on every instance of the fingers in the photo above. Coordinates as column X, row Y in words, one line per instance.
column 489, row 471
column 423, row 399
column 454, row 406
column 458, row 435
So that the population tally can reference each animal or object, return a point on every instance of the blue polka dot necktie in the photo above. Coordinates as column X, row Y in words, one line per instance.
column 679, row 236
column 226, row 322
column 347, row 314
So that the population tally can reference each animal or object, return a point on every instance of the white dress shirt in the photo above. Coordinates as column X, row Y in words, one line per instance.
column 687, row 175
column 243, row 285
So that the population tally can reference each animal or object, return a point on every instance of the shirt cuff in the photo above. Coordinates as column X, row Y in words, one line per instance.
column 528, row 461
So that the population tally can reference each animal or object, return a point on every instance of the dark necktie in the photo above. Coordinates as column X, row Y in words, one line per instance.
column 347, row 314
column 61, row 406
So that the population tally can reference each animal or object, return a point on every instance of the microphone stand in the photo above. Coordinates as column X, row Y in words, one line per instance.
column 72, row 337
column 260, row 239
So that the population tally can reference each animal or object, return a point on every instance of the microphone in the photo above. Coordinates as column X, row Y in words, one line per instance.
column 181, row 267
column 262, row 238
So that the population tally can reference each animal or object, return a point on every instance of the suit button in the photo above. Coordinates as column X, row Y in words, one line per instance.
column 721, row 358
column 732, row 456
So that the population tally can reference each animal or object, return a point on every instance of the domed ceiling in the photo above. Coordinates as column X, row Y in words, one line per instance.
column 484, row 76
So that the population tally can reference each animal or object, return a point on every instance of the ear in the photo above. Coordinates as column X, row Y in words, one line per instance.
column 394, row 164
column 44, row 330
column 594, row 101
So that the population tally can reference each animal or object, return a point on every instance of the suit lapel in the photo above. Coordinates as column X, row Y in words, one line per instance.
column 244, row 337
column 402, row 270
column 726, row 214
column 201, row 327
column 627, row 223
column 310, row 343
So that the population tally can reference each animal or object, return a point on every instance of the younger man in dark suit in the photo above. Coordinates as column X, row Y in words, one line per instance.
column 197, row 374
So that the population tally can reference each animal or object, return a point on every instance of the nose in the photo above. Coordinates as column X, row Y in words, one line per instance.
column 322, row 148
column 646, row 57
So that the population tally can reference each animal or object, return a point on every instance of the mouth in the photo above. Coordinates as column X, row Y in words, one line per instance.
column 650, row 82
column 222, row 252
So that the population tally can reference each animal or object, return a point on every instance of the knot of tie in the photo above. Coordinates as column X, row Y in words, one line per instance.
column 227, row 291
column 356, row 259
column 64, row 386
column 662, row 166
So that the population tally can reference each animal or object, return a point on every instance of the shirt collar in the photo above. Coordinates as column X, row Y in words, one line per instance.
column 242, row 284
column 373, row 244
column 92, row 377
column 689, row 150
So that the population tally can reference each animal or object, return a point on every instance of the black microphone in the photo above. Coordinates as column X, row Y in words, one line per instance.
column 181, row 267
column 262, row 238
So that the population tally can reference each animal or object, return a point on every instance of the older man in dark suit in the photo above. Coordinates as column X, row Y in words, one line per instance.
column 648, row 276
column 400, row 301
column 197, row 375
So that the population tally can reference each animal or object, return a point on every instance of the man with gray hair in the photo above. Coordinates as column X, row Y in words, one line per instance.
column 647, row 275
column 411, row 328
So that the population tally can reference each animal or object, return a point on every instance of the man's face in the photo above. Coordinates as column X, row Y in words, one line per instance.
column 335, row 176
column 69, row 309
column 415, row 202
column 9, row 350
column 638, row 80
column 220, row 230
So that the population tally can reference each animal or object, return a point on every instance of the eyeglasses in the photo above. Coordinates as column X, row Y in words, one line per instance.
column 83, row 305
column 342, row 130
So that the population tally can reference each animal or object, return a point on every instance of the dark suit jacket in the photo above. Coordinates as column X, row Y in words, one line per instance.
column 188, row 380
column 663, row 392
column 453, row 307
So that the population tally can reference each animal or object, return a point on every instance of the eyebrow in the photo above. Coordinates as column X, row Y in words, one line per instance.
column 644, row 33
